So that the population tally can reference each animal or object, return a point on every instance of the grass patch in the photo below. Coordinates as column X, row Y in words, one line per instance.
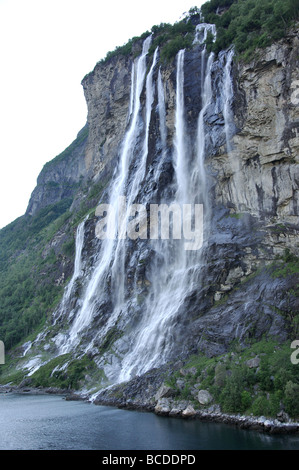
column 64, row 372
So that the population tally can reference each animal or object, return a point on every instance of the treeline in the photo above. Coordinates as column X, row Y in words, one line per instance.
column 248, row 24
column 27, row 277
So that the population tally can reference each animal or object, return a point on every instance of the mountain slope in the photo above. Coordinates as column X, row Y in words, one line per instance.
column 185, row 126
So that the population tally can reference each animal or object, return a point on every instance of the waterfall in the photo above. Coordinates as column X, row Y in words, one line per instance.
column 170, row 283
column 201, row 33
column 227, row 98
column 162, row 113
column 161, row 110
column 132, row 90
column 199, row 175
column 78, row 259
column 131, row 134
column 76, row 273
column 151, row 329
column 111, row 248
column 118, row 267
column 180, row 144
column 140, row 171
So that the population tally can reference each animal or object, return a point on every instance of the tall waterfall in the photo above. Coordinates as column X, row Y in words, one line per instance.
column 149, row 316
column 77, row 273
column 227, row 97
column 180, row 153
column 113, row 251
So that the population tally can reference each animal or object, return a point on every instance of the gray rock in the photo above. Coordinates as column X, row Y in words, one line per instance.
column 163, row 392
column 189, row 412
column 204, row 397
column 180, row 383
column 283, row 417
column 253, row 363
column 163, row 407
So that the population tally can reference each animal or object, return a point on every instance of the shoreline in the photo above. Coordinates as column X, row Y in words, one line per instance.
column 183, row 410
column 187, row 412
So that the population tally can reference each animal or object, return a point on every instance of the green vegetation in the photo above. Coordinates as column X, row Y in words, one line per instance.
column 248, row 24
column 287, row 269
column 264, row 389
column 172, row 38
column 81, row 137
column 28, row 291
column 29, row 267
column 64, row 372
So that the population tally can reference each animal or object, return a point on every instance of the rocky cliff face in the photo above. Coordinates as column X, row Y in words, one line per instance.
column 260, row 175
column 61, row 177
column 136, row 304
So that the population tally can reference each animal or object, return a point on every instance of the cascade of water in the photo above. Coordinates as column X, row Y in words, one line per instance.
column 180, row 154
column 172, row 275
column 201, row 32
column 140, row 171
column 161, row 109
column 153, row 337
column 106, row 254
column 78, row 258
column 132, row 90
column 162, row 113
column 118, row 267
column 131, row 134
column 77, row 270
column 227, row 98
column 199, row 173
column 201, row 35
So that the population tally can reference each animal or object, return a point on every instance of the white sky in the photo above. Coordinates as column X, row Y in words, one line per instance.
column 46, row 48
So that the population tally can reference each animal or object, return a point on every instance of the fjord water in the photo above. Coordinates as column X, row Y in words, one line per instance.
column 47, row 422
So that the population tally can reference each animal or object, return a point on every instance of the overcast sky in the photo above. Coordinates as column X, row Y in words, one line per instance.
column 47, row 46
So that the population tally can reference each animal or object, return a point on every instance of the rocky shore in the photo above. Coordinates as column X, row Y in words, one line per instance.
column 168, row 407
column 186, row 410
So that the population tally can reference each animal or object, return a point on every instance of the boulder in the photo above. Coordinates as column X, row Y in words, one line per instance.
column 204, row 397
column 189, row 412
column 162, row 407
column 283, row 417
column 164, row 392
column 253, row 363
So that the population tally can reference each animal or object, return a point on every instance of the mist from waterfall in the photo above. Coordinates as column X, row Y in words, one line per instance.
column 77, row 273
column 151, row 329
column 110, row 245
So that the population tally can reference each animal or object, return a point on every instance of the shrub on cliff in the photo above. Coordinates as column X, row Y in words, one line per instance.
column 248, row 24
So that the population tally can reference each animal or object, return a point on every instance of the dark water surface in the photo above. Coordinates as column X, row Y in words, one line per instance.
column 32, row 422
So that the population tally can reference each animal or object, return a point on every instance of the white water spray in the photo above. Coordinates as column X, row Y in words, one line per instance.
column 107, row 253
column 227, row 98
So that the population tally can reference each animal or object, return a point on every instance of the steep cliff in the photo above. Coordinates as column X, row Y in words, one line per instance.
column 61, row 177
column 202, row 130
